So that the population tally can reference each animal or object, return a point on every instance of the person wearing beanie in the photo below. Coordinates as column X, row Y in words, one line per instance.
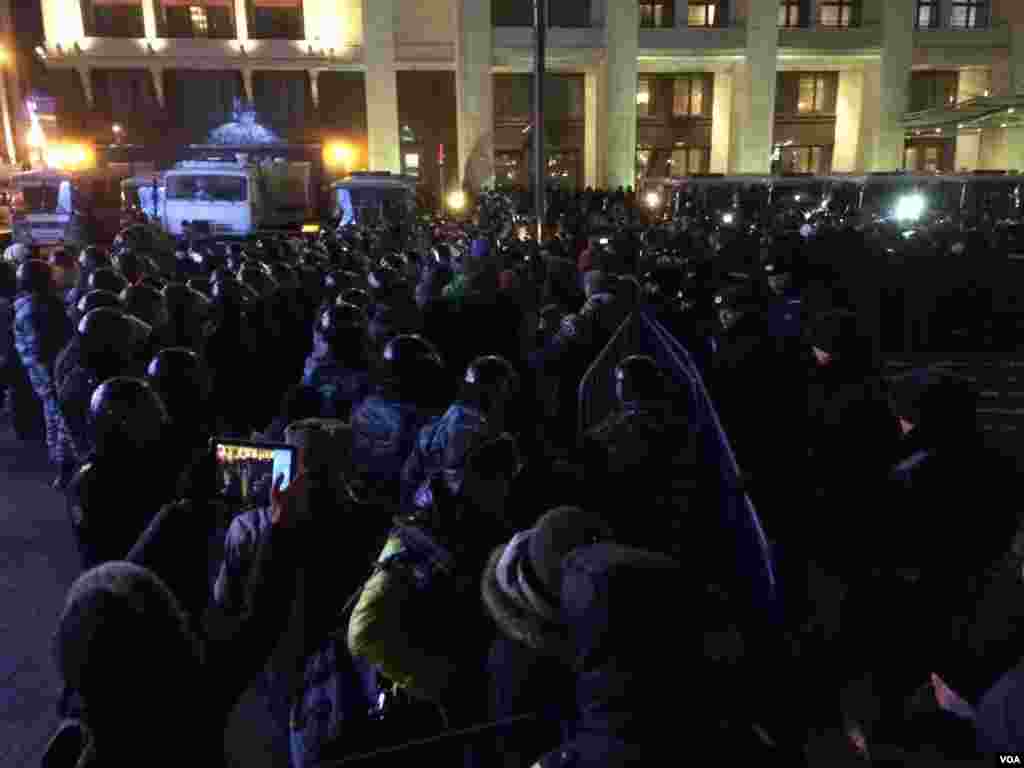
column 531, row 655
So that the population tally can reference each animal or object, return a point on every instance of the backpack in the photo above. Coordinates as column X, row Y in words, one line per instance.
column 336, row 701
column 415, row 579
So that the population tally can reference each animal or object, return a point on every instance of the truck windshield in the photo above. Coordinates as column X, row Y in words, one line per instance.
column 222, row 189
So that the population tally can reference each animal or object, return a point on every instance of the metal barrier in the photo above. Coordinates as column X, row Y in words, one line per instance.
column 597, row 387
column 642, row 334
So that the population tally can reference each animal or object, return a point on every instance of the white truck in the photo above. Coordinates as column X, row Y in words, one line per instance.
column 237, row 198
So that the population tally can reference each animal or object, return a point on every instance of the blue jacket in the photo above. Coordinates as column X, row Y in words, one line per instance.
column 41, row 329
column 338, row 387
column 441, row 447
column 383, row 434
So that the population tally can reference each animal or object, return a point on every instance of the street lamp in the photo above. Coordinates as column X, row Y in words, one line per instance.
column 118, row 130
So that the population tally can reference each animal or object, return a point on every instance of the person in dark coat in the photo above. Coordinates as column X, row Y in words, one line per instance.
column 188, row 315
column 109, row 344
column 230, row 352
column 41, row 329
column 530, row 663
column 126, row 635
column 130, row 423
column 479, row 321
column 929, row 569
column 624, row 668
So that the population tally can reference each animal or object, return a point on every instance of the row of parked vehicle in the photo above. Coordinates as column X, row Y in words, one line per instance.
column 222, row 196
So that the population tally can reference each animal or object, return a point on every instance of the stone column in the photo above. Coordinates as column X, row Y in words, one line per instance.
column 474, row 94
column 241, row 21
column 1015, row 136
column 721, row 122
column 63, row 23
column 897, row 58
column 1015, row 149
column 149, row 19
column 596, row 126
column 384, row 151
column 848, row 154
column 12, row 153
column 623, row 46
column 869, row 114
column 1016, row 60
column 757, row 93
column 9, row 80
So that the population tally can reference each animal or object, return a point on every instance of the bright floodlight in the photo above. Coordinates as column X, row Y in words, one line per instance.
column 910, row 208
column 728, row 218
column 457, row 200
column 653, row 200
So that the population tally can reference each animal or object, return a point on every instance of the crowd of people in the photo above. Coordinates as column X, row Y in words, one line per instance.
column 460, row 571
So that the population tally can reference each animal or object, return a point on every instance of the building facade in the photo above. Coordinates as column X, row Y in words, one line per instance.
column 635, row 87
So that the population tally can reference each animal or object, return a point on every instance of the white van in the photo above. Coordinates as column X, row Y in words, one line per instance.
column 367, row 198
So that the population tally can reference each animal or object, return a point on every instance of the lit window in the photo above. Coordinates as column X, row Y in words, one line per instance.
column 968, row 14
column 789, row 13
column 910, row 159
column 812, row 94
column 803, row 159
column 836, row 13
column 644, row 98
column 688, row 96
column 689, row 161
column 412, row 161
column 643, row 161
column 701, row 15
column 198, row 16
column 656, row 14
column 927, row 14
column 931, row 159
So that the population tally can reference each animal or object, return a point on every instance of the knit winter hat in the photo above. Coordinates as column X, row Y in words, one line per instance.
column 530, row 569
column 122, row 637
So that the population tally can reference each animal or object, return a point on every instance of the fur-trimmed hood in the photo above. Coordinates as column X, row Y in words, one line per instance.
column 519, row 623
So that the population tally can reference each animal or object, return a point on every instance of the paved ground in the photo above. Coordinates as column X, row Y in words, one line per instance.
column 38, row 563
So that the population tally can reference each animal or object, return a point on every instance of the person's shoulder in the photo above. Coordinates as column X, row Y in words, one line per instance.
column 248, row 527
